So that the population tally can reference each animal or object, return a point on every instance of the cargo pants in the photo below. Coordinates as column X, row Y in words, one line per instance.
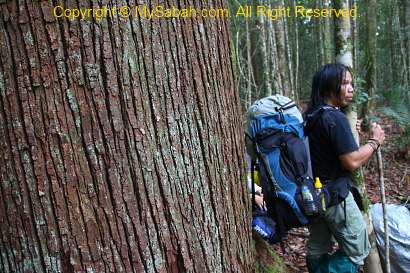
column 346, row 224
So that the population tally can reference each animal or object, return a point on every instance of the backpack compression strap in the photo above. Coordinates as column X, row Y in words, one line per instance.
column 252, row 170
column 283, row 107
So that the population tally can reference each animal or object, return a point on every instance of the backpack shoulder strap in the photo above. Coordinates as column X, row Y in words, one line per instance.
column 314, row 117
column 253, row 183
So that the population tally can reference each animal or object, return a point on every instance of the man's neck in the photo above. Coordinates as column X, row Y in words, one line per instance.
column 332, row 102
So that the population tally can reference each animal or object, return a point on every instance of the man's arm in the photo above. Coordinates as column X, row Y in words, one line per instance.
column 353, row 160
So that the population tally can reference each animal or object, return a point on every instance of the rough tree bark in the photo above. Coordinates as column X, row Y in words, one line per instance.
column 343, row 48
column 120, row 145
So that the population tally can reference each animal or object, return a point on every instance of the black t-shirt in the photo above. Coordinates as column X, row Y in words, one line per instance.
column 329, row 138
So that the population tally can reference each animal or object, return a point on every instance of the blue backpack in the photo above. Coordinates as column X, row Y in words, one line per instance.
column 275, row 141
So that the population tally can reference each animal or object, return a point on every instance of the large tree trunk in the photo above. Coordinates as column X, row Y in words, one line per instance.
column 121, row 145
column 343, row 54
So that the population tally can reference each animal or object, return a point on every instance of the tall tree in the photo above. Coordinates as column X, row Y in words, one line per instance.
column 289, row 59
column 406, row 20
column 354, row 29
column 121, row 147
column 391, row 46
column 343, row 46
column 327, row 44
column 296, row 53
column 275, row 77
column 370, row 63
column 249, row 66
column 401, row 59
column 264, row 33
column 343, row 43
column 283, row 69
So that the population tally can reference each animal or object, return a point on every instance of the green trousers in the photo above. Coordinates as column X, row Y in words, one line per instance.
column 338, row 262
column 343, row 222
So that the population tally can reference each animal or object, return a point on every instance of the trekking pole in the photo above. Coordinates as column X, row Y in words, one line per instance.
column 382, row 192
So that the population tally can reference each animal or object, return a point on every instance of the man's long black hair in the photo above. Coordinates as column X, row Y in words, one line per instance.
column 326, row 83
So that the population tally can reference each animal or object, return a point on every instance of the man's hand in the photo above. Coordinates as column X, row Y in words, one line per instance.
column 260, row 202
column 377, row 133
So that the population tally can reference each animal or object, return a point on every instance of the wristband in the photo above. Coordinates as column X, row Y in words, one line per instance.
column 376, row 141
column 372, row 145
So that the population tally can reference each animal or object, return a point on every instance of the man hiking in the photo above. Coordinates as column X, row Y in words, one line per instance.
column 335, row 155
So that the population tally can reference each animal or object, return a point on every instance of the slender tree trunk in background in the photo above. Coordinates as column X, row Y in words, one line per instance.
column 370, row 63
column 319, row 36
column 343, row 54
column 327, row 35
column 406, row 5
column 281, row 53
column 248, row 66
column 390, row 35
column 403, row 43
column 273, row 59
column 296, row 42
column 266, row 90
column 257, row 61
column 121, row 145
column 401, row 62
column 289, row 60
column 355, row 38
column 394, row 45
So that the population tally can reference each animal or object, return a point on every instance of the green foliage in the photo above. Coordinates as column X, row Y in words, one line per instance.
column 396, row 106
column 360, row 95
column 361, row 98
column 406, row 134
column 400, row 114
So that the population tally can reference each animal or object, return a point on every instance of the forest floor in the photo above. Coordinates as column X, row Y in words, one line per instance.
column 397, row 186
